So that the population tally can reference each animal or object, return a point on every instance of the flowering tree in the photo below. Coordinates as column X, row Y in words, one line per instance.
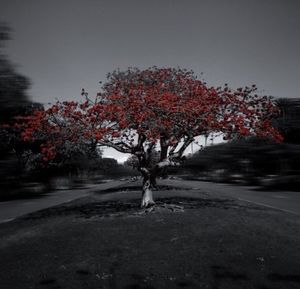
column 57, row 134
column 155, row 114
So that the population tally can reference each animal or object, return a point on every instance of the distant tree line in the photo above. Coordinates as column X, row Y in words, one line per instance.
column 255, row 161
column 289, row 120
column 20, row 161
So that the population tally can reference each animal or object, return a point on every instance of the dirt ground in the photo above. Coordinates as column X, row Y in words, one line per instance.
column 106, row 241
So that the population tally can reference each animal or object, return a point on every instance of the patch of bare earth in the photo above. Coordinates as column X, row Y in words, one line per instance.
column 107, row 241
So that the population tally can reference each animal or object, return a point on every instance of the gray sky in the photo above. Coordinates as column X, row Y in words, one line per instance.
column 66, row 45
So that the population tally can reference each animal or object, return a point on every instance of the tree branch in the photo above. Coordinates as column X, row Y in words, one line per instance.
column 163, row 148
column 179, row 153
column 116, row 147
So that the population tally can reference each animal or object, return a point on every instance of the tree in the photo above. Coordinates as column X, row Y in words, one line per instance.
column 13, row 85
column 13, row 101
column 59, row 134
column 155, row 114
column 289, row 121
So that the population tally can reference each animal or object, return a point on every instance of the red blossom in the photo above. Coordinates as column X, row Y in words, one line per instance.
column 156, row 104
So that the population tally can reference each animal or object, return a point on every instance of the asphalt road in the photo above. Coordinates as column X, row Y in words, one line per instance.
column 283, row 200
column 15, row 208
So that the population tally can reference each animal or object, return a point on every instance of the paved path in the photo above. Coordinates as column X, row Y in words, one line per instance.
column 15, row 208
column 283, row 200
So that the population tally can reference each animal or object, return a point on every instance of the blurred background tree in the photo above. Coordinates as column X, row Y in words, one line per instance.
column 289, row 121
column 13, row 86
column 19, row 160
column 255, row 161
column 13, row 101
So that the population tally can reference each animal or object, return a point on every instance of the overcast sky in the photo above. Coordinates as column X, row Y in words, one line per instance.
column 66, row 45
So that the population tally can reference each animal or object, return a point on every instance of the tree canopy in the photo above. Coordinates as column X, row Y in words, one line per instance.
column 156, row 109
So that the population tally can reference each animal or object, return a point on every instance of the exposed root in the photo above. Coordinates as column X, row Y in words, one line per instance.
column 148, row 203
column 161, row 208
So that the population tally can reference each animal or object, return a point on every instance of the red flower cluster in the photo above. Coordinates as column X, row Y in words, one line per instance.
column 154, row 103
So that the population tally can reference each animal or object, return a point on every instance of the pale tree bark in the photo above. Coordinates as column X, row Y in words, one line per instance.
column 149, row 184
column 150, row 170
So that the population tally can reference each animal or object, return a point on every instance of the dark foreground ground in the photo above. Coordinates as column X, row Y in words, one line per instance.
column 106, row 241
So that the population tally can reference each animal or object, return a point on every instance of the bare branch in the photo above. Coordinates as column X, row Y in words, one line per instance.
column 163, row 148
column 179, row 153
column 116, row 147
column 141, row 140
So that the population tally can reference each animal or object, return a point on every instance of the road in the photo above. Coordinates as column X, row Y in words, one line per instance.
column 15, row 208
column 283, row 200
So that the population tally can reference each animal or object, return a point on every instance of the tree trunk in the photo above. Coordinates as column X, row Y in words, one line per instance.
column 153, row 182
column 149, row 183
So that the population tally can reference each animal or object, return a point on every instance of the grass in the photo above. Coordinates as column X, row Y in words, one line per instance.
column 103, row 242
